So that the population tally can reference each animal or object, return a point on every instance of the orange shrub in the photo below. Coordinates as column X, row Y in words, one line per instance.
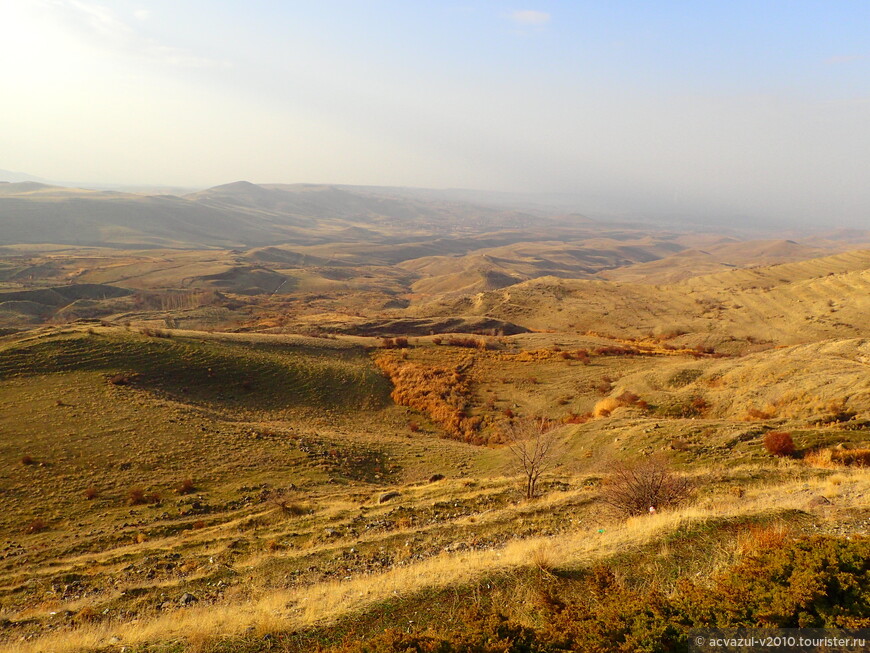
column 779, row 443
column 617, row 351
column 185, row 487
column 36, row 526
column 443, row 394
column 574, row 418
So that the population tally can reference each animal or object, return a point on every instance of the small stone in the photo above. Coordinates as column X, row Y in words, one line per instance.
column 187, row 598
column 387, row 496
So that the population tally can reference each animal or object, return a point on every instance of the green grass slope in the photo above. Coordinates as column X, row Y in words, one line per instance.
column 257, row 373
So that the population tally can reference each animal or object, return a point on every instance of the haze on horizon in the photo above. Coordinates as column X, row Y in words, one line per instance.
column 750, row 109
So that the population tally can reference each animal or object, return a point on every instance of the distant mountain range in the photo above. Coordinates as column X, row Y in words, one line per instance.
column 242, row 214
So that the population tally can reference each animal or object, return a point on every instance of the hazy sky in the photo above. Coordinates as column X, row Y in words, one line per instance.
column 744, row 108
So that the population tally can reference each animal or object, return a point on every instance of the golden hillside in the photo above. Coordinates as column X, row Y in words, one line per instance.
column 820, row 298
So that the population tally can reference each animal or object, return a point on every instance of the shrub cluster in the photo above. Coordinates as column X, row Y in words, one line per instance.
column 441, row 393
column 136, row 496
column 817, row 582
column 394, row 343
column 618, row 351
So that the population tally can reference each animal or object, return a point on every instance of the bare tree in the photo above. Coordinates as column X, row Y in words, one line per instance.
column 644, row 486
column 533, row 445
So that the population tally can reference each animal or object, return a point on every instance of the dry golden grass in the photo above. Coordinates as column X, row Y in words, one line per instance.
column 838, row 458
column 322, row 603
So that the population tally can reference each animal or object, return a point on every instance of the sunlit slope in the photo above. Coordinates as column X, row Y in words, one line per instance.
column 714, row 258
column 494, row 267
column 795, row 302
column 825, row 382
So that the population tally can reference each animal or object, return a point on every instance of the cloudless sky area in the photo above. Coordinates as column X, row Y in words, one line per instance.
column 730, row 108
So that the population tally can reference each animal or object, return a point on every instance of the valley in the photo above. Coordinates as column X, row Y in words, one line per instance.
column 278, row 418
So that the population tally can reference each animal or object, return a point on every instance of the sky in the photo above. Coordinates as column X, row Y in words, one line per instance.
column 729, row 109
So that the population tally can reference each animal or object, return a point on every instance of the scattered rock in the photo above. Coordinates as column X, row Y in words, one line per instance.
column 187, row 598
column 387, row 496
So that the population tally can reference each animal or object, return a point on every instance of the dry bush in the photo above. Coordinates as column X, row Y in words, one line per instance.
column 836, row 458
column 763, row 538
column 288, row 504
column 186, row 487
column 86, row 615
column 634, row 487
column 441, row 393
column 533, row 445
column 36, row 526
column 136, row 496
column 779, row 443
column 394, row 343
column 629, row 398
column 471, row 343
column 582, row 355
column 604, row 386
column 574, row 418
column 156, row 333
column 756, row 414
column 617, row 351
column 120, row 379
column 604, row 407
column 625, row 399
column 543, row 558
column 851, row 457
column 198, row 524
column 701, row 350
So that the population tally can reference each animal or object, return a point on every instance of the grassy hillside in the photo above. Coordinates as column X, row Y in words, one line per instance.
column 166, row 489
column 272, row 374
column 790, row 303
column 215, row 492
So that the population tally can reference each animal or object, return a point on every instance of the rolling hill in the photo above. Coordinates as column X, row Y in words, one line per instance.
column 787, row 304
column 263, row 418
column 237, row 214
